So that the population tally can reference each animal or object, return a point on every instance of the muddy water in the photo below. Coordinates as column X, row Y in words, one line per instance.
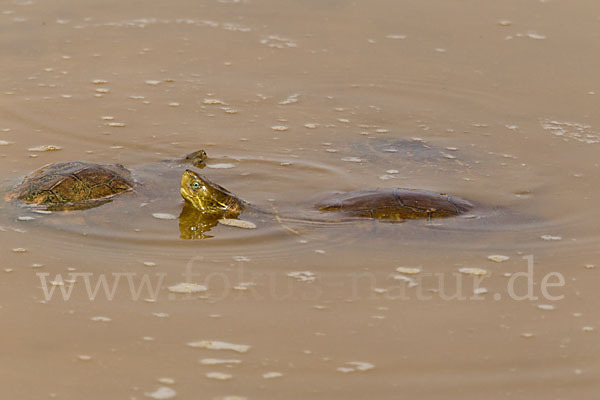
column 494, row 102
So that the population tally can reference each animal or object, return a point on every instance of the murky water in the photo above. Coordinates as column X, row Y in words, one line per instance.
column 496, row 102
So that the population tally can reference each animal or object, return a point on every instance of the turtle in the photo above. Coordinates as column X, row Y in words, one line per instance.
column 79, row 185
column 208, row 203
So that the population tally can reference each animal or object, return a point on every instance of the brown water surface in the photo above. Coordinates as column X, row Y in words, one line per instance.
column 496, row 102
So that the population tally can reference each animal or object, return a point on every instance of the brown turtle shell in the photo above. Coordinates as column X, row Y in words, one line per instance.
column 76, row 183
column 396, row 204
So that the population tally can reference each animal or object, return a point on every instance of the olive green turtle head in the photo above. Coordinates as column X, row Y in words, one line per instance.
column 208, row 197
column 196, row 158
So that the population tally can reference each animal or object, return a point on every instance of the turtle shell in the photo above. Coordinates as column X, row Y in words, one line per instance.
column 76, row 183
column 395, row 204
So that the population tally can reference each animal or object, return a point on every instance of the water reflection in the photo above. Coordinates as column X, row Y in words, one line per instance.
column 194, row 224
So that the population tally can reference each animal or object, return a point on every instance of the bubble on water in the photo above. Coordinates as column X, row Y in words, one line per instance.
column 550, row 237
column 504, row 22
column 149, row 263
column 218, row 376
column 480, row 291
column 396, row 36
column 164, row 216
column 278, row 42
column 220, row 166
column 218, row 345
column 4, row 143
column 116, row 124
column 19, row 250
column 102, row 90
column 152, row 82
column 166, row 381
column 99, row 81
column 587, row 328
column 303, row 276
column 356, row 366
column 66, row 96
column 272, row 374
column 187, row 288
column 244, row 285
column 571, row 131
column 589, row 266
column 218, row 361
column 160, row 314
column 498, row 258
column 311, row 125
column 531, row 35
column 473, row 271
column 381, row 130
column 280, row 128
column 403, row 278
column 241, row 258
column 291, row 99
column 107, row 118
column 213, row 101
column 331, row 150
column 84, row 357
column 25, row 218
column 352, row 159
column 527, row 335
column 37, row 265
column 409, row 270
column 173, row 104
column 100, row 318
column 546, row 307
column 162, row 393
column 46, row 147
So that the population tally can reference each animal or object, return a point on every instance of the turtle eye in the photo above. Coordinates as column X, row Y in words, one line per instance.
column 195, row 185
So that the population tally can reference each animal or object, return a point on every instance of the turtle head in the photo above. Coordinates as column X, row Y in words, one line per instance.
column 208, row 197
column 196, row 158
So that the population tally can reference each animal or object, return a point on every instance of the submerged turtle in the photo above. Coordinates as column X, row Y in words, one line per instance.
column 410, row 154
column 215, row 203
column 78, row 185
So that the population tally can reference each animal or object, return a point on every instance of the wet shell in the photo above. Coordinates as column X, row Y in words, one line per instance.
column 76, row 183
column 395, row 204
